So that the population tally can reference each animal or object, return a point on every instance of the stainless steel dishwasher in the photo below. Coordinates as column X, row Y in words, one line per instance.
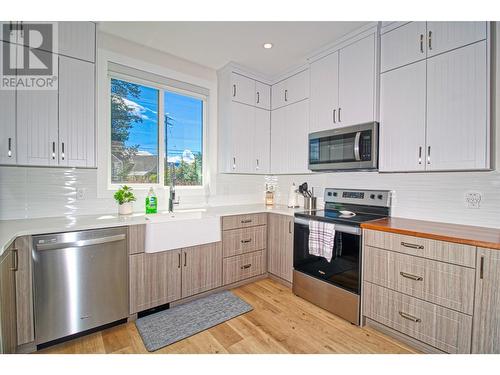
column 80, row 281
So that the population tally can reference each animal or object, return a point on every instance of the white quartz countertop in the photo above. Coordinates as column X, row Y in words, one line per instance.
column 11, row 229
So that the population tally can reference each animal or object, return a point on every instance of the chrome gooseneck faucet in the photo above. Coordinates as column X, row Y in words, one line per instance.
column 171, row 198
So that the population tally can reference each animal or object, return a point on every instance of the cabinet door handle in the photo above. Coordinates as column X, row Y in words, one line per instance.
column 258, row 97
column 412, row 245
column 290, row 227
column 422, row 43
column 53, row 150
column 185, row 259
column 257, row 160
column 15, row 260
column 179, row 265
column 428, row 154
column 339, row 114
column 411, row 277
column 420, row 155
column 410, row 317
column 9, row 151
column 246, row 266
column 246, row 221
column 234, row 91
column 334, row 116
column 481, row 268
column 286, row 95
column 246, row 241
column 234, row 162
column 62, row 150
column 430, row 40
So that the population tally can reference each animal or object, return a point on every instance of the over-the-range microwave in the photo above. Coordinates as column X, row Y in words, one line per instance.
column 344, row 149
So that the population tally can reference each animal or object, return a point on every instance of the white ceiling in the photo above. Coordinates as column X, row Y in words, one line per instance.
column 214, row 44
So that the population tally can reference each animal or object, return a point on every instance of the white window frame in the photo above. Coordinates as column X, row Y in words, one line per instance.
column 161, row 134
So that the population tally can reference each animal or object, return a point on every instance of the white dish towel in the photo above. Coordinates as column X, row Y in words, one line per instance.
column 321, row 239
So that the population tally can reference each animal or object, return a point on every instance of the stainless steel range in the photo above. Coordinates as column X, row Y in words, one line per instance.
column 335, row 285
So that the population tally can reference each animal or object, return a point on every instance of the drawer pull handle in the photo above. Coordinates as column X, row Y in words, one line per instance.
column 246, row 266
column 409, row 317
column 246, row 221
column 412, row 245
column 246, row 241
column 481, row 269
column 410, row 276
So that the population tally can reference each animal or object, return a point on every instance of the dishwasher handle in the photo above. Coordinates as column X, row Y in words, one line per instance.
column 79, row 243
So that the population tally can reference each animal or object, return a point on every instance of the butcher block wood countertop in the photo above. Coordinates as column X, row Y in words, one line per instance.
column 463, row 234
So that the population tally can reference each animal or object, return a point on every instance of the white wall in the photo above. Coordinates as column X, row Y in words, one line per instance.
column 36, row 192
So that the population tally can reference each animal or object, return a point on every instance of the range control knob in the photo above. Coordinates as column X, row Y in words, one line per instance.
column 380, row 196
column 334, row 193
column 372, row 196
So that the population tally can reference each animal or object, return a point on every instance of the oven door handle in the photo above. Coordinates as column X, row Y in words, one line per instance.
column 357, row 145
column 338, row 227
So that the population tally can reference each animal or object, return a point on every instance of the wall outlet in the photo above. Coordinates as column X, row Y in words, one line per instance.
column 80, row 193
column 473, row 199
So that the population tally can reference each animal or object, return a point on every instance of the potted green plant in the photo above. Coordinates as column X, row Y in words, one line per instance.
column 125, row 198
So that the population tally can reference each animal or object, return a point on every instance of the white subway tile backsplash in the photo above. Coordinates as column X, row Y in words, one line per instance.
column 27, row 192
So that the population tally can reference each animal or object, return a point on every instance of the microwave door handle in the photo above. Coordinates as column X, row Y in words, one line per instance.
column 357, row 140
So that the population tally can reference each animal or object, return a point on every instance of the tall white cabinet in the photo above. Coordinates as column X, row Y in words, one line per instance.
column 434, row 97
column 55, row 127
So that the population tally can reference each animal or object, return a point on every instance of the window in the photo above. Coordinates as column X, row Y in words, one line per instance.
column 183, row 139
column 134, row 133
column 138, row 136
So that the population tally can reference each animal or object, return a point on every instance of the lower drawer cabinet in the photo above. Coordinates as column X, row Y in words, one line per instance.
column 442, row 328
column 243, row 266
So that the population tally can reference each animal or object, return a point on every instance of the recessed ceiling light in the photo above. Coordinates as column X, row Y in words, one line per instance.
column 268, row 45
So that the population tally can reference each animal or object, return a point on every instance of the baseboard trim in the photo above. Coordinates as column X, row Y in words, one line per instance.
column 280, row 280
column 27, row 348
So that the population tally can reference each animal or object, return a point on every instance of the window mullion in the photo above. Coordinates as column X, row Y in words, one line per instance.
column 161, row 139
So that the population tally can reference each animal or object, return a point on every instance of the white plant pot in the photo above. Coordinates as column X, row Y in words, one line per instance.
column 125, row 208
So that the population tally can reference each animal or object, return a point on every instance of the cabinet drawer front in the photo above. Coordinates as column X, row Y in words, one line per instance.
column 244, row 240
column 243, row 266
column 449, row 252
column 437, row 326
column 243, row 221
column 437, row 282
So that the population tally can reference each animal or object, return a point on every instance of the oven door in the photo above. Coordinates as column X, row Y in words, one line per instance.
column 353, row 147
column 344, row 268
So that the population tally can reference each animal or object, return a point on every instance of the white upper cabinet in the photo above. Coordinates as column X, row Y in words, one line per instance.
column 402, row 119
column 324, row 98
column 403, row 45
column 77, row 39
column 290, row 90
column 445, row 36
column 357, row 82
column 8, row 149
column 242, row 130
column 262, row 95
column 76, row 113
column 457, row 109
column 289, row 142
column 262, row 141
column 243, row 89
column 343, row 86
column 443, row 98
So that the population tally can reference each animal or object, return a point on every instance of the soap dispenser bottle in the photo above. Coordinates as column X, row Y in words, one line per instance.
column 151, row 202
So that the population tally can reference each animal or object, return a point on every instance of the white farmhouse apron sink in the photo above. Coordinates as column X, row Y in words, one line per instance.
column 180, row 229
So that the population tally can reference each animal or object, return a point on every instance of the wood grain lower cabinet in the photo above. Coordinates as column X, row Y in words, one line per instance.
column 442, row 328
column 244, row 240
column 155, row 279
column 244, row 266
column 24, row 292
column 441, row 283
column 486, row 326
column 202, row 268
column 8, row 319
column 280, row 246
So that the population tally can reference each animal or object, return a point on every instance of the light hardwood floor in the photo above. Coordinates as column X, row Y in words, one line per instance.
column 280, row 323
